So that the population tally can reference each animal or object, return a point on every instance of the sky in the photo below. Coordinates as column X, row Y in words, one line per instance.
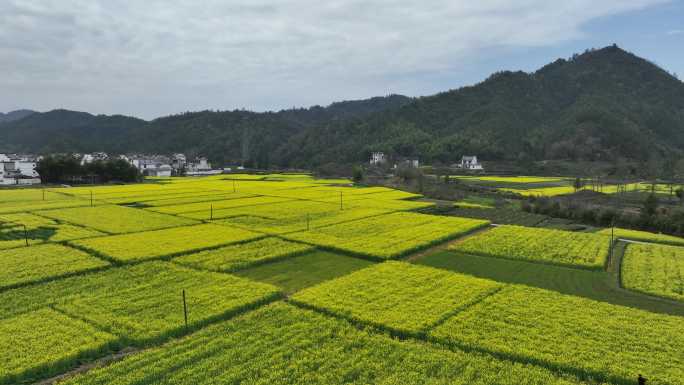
column 158, row 57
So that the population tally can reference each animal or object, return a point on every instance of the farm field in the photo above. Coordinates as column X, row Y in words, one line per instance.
column 164, row 243
column 566, row 248
column 115, row 219
column 288, row 279
column 654, row 269
column 388, row 236
column 36, row 263
column 294, row 274
column 644, row 236
column 282, row 344
column 555, row 330
column 597, row 285
column 22, row 228
column 401, row 297
column 236, row 257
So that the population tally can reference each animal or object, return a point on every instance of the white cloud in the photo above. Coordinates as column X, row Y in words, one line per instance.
column 675, row 32
column 159, row 56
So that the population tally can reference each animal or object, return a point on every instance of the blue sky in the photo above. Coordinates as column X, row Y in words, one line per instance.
column 157, row 57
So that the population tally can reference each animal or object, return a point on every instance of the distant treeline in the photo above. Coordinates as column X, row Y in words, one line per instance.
column 68, row 169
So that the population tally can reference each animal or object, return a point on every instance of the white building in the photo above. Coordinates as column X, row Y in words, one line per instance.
column 89, row 158
column 470, row 163
column 377, row 158
column 18, row 170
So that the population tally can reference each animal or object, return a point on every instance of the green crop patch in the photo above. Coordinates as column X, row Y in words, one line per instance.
column 294, row 274
column 116, row 219
column 398, row 296
column 166, row 242
column 565, row 248
column 44, row 343
column 603, row 341
column 240, row 256
column 37, row 263
column 389, row 236
column 151, row 309
column 654, row 269
column 281, row 344
column 222, row 208
column 21, row 228
column 644, row 236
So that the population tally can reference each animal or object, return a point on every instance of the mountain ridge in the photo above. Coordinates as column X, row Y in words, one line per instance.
column 603, row 104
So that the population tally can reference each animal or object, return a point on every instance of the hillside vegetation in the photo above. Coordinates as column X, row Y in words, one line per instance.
column 604, row 104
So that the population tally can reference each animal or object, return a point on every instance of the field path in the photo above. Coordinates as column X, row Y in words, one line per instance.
column 445, row 245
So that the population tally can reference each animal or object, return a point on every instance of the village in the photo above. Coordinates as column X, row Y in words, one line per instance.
column 20, row 169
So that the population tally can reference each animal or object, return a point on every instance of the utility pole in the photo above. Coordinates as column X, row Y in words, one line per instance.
column 307, row 222
column 185, row 310
column 26, row 235
column 340, row 200
column 233, row 185
column 91, row 198
column 211, row 212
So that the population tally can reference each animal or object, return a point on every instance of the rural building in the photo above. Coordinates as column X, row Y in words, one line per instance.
column 377, row 158
column 90, row 158
column 16, row 169
column 470, row 163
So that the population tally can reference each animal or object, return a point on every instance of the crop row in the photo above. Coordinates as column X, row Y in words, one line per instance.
column 558, row 247
column 654, row 269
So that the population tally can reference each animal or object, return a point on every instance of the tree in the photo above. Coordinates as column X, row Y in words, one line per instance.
column 680, row 194
column 578, row 184
column 650, row 205
column 357, row 174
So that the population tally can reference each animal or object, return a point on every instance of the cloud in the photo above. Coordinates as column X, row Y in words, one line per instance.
column 675, row 32
column 160, row 56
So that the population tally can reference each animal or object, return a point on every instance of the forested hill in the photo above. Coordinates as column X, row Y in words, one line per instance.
column 601, row 105
column 14, row 115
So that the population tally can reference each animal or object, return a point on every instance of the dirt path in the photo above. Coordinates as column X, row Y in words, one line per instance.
column 443, row 246
column 104, row 361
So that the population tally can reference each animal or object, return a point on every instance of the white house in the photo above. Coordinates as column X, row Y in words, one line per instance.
column 89, row 158
column 18, row 170
column 377, row 158
column 470, row 163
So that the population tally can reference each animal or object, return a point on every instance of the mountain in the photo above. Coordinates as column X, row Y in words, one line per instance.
column 604, row 104
column 14, row 115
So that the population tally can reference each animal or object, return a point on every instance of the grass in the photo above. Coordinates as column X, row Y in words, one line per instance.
column 296, row 273
column 597, row 285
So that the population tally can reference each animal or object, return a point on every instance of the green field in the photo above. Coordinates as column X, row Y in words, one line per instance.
column 294, row 274
column 289, row 279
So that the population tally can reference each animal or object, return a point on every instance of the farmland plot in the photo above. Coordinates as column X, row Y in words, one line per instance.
column 389, row 236
column 153, row 309
column 603, row 341
column 163, row 243
column 281, row 344
column 558, row 247
column 25, row 265
column 235, row 257
column 397, row 296
column 38, row 230
column 45, row 342
column 654, row 269
column 116, row 219
column 643, row 236
column 220, row 209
